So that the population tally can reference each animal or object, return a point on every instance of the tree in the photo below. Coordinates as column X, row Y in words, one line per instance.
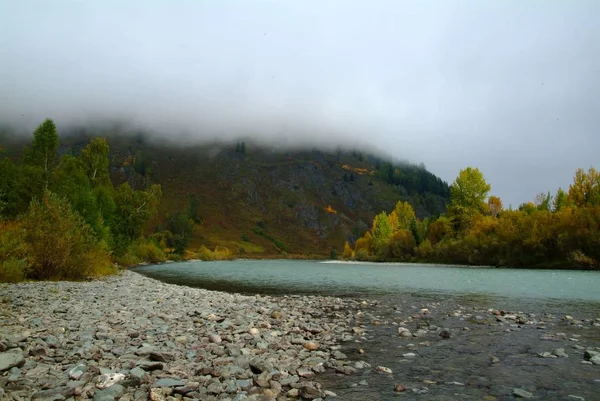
column 404, row 214
column 469, row 190
column 59, row 243
column 402, row 244
column 133, row 209
column 560, row 200
column 382, row 231
column 585, row 189
column 495, row 205
column 467, row 196
column 347, row 254
column 543, row 201
column 43, row 151
column 95, row 160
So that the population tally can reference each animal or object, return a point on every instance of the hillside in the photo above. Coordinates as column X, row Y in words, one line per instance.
column 259, row 202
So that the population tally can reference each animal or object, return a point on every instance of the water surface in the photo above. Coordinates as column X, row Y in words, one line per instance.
column 368, row 279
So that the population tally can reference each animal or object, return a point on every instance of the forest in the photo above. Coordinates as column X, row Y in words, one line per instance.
column 61, row 217
column 560, row 231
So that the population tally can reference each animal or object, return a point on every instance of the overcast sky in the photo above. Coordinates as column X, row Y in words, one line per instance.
column 511, row 87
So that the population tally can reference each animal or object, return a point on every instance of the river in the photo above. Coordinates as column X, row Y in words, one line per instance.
column 500, row 321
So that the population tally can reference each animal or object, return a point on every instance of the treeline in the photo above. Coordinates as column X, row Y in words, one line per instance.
column 560, row 231
column 62, row 218
column 413, row 178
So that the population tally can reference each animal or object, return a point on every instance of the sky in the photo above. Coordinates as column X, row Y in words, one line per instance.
column 509, row 86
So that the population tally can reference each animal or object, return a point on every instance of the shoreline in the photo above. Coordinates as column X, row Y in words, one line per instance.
column 159, row 341
column 70, row 340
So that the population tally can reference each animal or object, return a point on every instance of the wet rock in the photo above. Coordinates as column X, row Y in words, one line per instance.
column 400, row 388
column 445, row 334
column 383, row 369
column 560, row 352
column 404, row 332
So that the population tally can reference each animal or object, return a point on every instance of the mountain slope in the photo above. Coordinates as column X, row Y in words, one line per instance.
column 260, row 202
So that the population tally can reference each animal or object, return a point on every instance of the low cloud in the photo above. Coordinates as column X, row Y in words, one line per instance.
column 506, row 86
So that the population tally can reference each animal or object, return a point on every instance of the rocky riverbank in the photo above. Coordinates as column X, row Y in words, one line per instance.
column 130, row 337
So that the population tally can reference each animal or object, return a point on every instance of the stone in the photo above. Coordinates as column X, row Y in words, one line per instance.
column 383, row 369
column 161, row 356
column 400, row 388
column 519, row 392
column 109, row 394
column 409, row 355
column 259, row 365
column 109, row 379
column 76, row 372
column 10, row 359
column 404, row 332
column 215, row 338
column 560, row 352
column 445, row 334
column 311, row 345
column 168, row 382
column 310, row 392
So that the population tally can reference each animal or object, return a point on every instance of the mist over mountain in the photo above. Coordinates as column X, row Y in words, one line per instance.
column 507, row 86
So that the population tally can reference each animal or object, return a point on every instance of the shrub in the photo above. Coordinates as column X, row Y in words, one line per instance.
column 59, row 244
column 220, row 253
column 13, row 270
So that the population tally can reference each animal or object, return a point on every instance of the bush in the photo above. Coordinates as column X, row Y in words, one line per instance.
column 141, row 251
column 59, row 244
column 220, row 253
column 13, row 270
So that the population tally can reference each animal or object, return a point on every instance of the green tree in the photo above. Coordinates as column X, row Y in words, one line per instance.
column 95, row 160
column 43, row 151
column 382, row 231
column 467, row 196
column 560, row 200
column 133, row 210
column 469, row 190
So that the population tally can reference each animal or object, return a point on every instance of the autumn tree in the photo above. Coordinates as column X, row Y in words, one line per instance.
column 585, row 189
column 469, row 190
column 495, row 205
column 382, row 231
column 402, row 216
column 467, row 196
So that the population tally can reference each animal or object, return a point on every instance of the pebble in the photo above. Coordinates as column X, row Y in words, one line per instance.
column 519, row 392
column 130, row 337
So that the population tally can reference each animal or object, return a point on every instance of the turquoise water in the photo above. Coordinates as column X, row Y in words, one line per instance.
column 352, row 279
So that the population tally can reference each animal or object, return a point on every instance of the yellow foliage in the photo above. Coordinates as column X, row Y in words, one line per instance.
column 357, row 170
column 348, row 253
column 363, row 243
column 402, row 244
column 220, row 253
column 330, row 210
